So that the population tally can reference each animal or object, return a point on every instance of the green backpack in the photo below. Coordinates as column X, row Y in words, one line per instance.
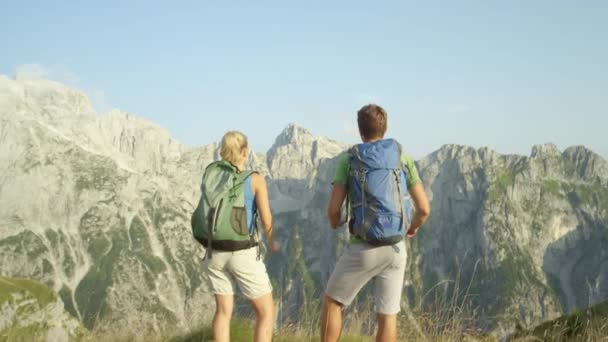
column 220, row 220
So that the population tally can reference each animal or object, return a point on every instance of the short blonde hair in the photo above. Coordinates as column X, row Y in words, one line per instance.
column 233, row 144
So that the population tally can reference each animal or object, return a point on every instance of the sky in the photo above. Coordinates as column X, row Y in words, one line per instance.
column 502, row 74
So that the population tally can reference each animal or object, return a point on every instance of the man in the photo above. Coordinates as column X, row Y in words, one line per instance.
column 375, row 175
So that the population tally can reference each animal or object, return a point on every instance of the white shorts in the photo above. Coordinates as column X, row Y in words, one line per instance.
column 240, row 267
column 362, row 263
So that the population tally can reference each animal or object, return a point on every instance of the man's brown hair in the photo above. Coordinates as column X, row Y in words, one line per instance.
column 372, row 122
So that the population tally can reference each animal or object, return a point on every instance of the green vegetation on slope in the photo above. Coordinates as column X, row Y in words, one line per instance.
column 18, row 293
column 140, row 245
column 9, row 288
column 91, row 293
column 24, row 243
column 93, row 172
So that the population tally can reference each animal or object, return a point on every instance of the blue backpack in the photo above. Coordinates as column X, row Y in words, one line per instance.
column 381, row 205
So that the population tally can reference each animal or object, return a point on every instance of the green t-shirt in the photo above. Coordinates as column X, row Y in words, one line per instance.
column 343, row 169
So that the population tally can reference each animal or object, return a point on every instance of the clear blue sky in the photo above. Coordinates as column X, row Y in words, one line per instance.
column 503, row 74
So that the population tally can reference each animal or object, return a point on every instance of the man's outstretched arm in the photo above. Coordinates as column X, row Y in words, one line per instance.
column 334, row 208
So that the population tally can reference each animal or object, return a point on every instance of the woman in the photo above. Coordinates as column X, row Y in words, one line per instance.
column 243, row 267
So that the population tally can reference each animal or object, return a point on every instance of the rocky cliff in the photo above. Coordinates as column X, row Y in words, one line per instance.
column 97, row 208
column 526, row 236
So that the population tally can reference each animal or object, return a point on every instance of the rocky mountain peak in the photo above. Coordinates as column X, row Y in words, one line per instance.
column 545, row 150
column 588, row 164
column 466, row 154
column 298, row 146
column 293, row 144
column 293, row 133
column 454, row 150
column 46, row 100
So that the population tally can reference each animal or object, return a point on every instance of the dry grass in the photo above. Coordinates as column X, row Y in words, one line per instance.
column 444, row 314
column 586, row 326
column 451, row 317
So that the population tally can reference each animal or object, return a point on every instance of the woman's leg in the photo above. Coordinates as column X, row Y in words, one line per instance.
column 264, row 311
column 221, row 320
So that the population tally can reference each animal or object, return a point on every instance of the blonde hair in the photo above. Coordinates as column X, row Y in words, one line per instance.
column 233, row 144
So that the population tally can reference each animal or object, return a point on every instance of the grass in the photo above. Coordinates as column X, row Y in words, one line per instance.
column 10, row 287
column 585, row 326
column 32, row 332
column 450, row 317
column 242, row 331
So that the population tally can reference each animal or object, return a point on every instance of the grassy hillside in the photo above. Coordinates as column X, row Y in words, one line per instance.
column 587, row 325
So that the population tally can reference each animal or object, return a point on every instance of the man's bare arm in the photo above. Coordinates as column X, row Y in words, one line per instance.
column 334, row 208
column 423, row 209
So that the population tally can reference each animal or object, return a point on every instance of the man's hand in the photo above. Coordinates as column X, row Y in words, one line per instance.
column 412, row 232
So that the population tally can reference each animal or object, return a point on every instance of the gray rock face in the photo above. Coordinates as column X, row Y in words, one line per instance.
column 98, row 208
column 527, row 235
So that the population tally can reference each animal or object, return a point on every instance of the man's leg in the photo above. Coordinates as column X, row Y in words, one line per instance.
column 264, row 312
column 221, row 320
column 387, row 328
column 388, row 290
column 359, row 264
column 331, row 320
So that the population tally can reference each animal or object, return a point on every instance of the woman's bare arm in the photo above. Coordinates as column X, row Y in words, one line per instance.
column 263, row 203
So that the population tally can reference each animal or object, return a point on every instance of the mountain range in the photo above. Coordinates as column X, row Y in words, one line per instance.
column 97, row 207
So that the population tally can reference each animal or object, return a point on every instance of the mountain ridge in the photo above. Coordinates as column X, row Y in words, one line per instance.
column 285, row 137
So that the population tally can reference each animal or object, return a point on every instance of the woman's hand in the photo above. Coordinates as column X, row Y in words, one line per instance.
column 274, row 246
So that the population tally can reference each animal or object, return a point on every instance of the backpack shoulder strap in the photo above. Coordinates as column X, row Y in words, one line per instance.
column 243, row 175
column 402, row 192
column 399, row 147
column 242, row 178
column 403, row 166
column 355, row 158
